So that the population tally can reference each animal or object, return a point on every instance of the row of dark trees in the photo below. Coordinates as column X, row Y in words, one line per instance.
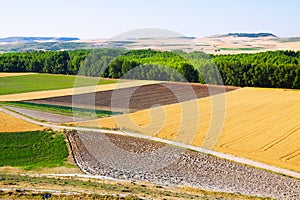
column 150, row 64
column 274, row 69
column 280, row 69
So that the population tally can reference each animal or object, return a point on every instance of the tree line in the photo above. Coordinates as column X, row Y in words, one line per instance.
column 277, row 69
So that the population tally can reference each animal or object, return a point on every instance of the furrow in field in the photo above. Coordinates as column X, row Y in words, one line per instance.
column 279, row 140
column 290, row 156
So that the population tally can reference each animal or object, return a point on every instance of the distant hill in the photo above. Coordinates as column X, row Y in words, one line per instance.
column 37, row 39
column 230, row 43
column 251, row 35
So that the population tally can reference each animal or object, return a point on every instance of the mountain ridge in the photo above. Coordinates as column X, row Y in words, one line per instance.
column 30, row 39
column 22, row 39
column 230, row 43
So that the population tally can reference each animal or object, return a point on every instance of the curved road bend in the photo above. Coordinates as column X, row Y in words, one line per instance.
column 198, row 149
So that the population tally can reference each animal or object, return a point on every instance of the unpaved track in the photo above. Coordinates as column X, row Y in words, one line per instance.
column 185, row 146
column 49, row 117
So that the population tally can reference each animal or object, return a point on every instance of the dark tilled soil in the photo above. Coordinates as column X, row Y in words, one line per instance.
column 130, row 158
column 139, row 98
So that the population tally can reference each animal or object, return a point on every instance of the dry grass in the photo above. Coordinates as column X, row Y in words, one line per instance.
column 53, row 170
column 260, row 124
column 6, row 74
column 92, row 188
column 11, row 124
column 71, row 91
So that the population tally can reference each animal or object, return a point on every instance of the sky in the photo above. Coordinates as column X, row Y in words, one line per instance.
column 96, row 19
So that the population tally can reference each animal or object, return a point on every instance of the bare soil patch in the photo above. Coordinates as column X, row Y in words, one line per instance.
column 139, row 97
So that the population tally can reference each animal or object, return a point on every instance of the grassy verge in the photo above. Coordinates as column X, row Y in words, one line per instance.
column 19, row 194
column 63, row 110
column 41, row 82
column 102, row 189
column 31, row 150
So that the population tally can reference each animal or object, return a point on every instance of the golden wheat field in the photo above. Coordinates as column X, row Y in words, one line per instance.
column 260, row 124
column 11, row 124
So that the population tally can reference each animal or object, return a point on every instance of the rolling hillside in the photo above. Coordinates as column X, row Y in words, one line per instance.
column 230, row 43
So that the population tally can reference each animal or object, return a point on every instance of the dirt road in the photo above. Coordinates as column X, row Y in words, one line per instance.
column 198, row 149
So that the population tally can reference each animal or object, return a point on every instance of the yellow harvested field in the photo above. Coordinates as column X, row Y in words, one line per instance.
column 260, row 124
column 4, row 74
column 71, row 91
column 11, row 124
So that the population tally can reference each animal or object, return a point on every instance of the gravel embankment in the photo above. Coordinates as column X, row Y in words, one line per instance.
column 130, row 158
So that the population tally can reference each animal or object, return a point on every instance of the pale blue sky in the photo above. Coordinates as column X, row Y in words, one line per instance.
column 105, row 19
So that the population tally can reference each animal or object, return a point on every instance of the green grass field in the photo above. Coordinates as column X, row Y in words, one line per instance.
column 40, row 82
column 62, row 110
column 31, row 150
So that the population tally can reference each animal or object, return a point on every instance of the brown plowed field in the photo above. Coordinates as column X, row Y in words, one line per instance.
column 139, row 97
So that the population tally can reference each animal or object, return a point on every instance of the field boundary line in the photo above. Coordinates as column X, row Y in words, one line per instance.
column 229, row 157
column 10, row 74
column 74, row 91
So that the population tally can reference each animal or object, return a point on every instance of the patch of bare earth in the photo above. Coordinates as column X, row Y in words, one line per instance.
column 138, row 97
